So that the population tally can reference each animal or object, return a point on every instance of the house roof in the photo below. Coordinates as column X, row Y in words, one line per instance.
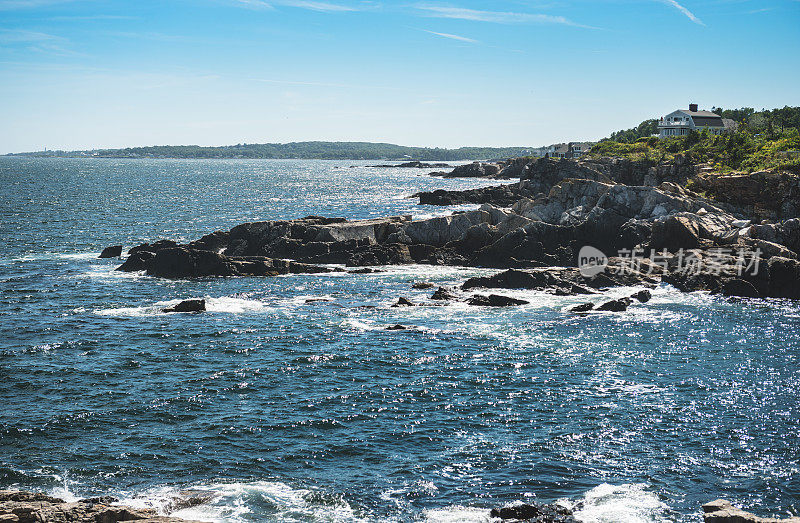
column 707, row 121
column 707, row 114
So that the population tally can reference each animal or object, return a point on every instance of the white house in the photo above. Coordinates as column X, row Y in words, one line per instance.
column 681, row 122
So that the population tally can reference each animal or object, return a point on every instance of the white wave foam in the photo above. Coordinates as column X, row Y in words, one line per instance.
column 224, row 304
column 54, row 256
column 237, row 502
column 457, row 514
column 627, row 503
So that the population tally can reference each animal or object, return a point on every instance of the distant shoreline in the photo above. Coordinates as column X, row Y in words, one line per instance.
column 292, row 151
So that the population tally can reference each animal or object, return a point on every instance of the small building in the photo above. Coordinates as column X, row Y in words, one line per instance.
column 566, row 150
column 681, row 122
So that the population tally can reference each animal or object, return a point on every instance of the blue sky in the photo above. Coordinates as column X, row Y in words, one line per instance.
column 89, row 74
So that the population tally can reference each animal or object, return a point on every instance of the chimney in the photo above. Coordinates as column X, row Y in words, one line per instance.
column 693, row 108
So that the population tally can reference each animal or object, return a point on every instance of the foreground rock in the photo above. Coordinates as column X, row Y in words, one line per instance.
column 722, row 511
column 535, row 513
column 29, row 507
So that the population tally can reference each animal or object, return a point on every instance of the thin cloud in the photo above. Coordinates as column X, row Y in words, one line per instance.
column 320, row 6
column 685, row 11
column 498, row 17
column 453, row 37
column 323, row 7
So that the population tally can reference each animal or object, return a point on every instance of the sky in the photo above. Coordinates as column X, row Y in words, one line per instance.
column 86, row 74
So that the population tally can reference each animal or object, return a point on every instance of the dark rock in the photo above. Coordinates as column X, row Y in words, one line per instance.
column 106, row 500
column 512, row 279
column 403, row 302
column 397, row 327
column 414, row 164
column 365, row 270
column 114, row 251
column 137, row 261
column 154, row 247
column 495, row 300
column 422, row 285
column 643, row 296
column 499, row 195
column 443, row 293
column 188, row 306
column 583, row 307
column 534, row 513
column 474, row 170
column 739, row 287
column 615, row 305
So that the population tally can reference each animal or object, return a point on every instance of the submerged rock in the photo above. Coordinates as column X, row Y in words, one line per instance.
column 495, row 300
column 397, row 327
column 722, row 511
column 422, row 285
column 188, row 306
column 114, row 251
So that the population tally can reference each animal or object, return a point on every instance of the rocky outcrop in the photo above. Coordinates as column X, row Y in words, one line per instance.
column 564, row 281
column 537, row 513
column 29, row 507
column 499, row 195
column 761, row 195
column 560, row 208
column 114, row 251
column 722, row 511
column 474, row 170
column 414, row 164
column 186, row 262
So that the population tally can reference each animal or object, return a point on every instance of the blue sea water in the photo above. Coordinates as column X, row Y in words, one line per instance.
column 290, row 410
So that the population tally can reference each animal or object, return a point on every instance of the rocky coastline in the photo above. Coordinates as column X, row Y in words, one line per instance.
column 34, row 507
column 638, row 218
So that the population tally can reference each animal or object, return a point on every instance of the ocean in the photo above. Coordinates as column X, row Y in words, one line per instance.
column 290, row 401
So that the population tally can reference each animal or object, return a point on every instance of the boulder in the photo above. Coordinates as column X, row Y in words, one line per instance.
column 422, row 285
column 583, row 307
column 114, row 251
column 403, row 302
column 739, row 287
column 194, row 305
column 620, row 305
column 722, row 511
column 443, row 293
column 643, row 296
column 495, row 300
